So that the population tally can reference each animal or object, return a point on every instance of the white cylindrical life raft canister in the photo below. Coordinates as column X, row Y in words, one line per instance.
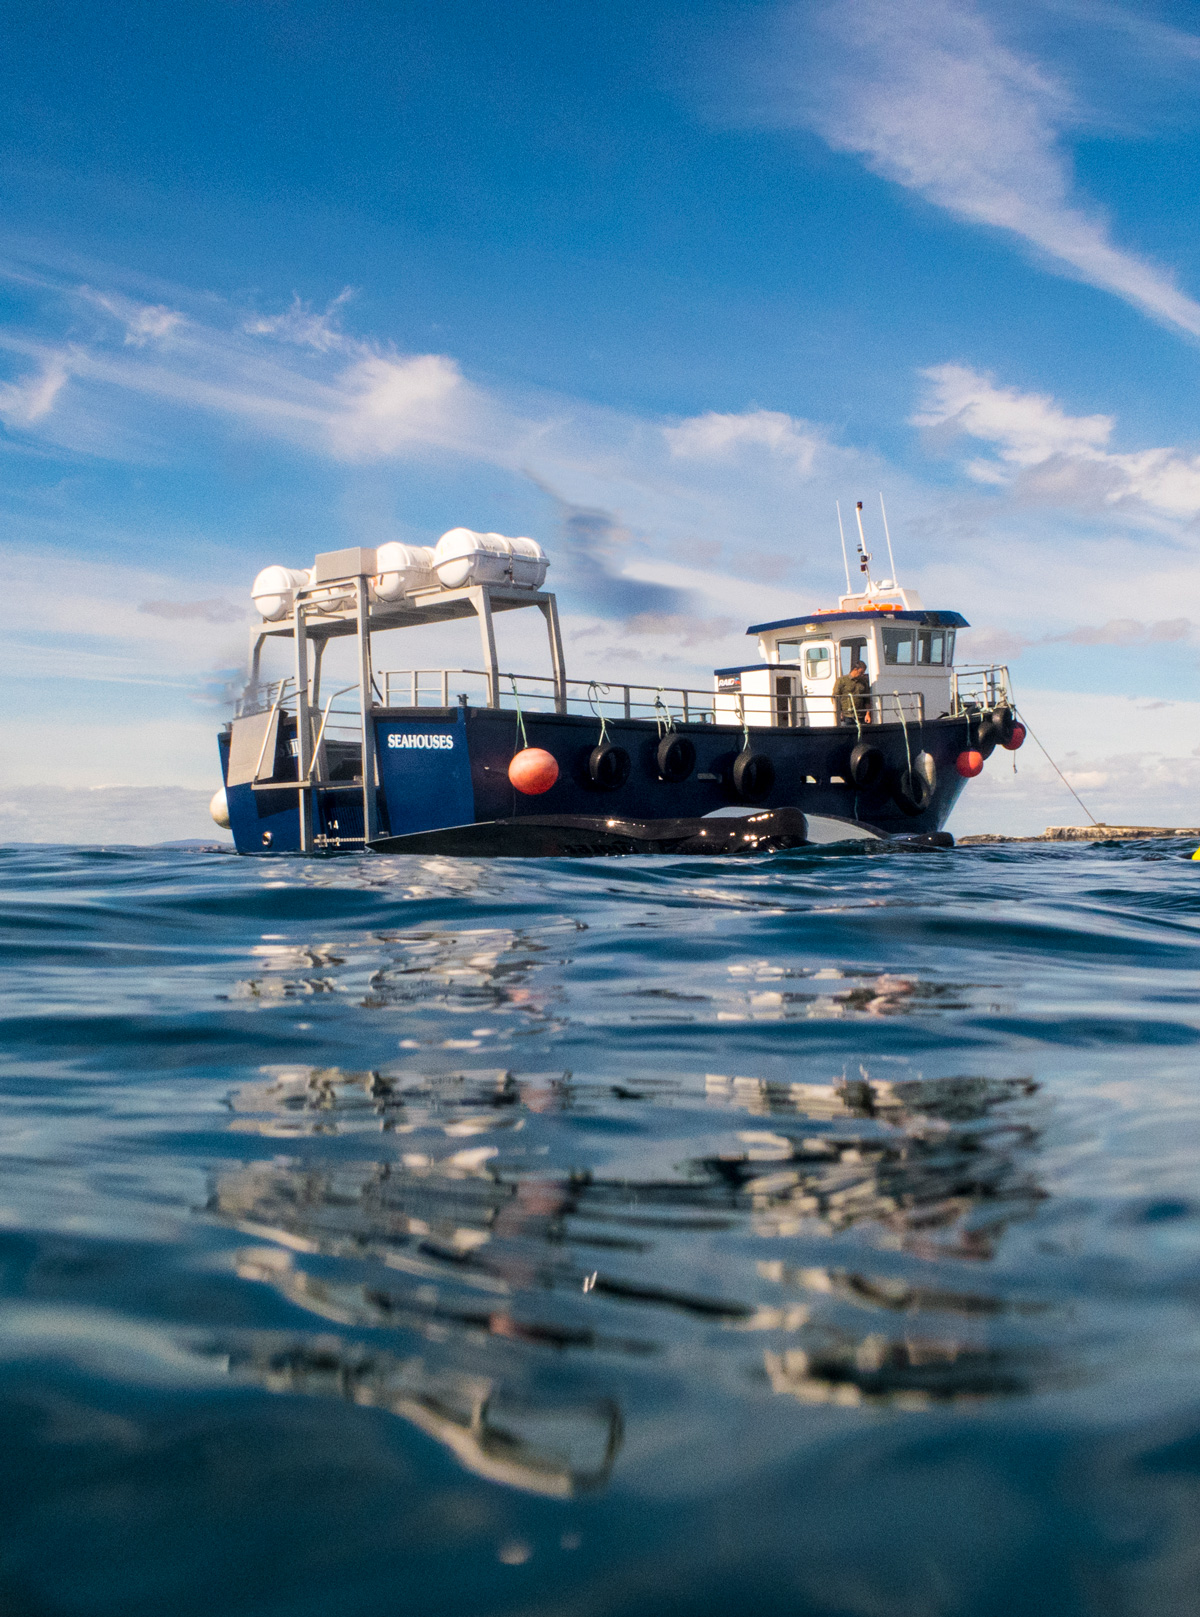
column 402, row 568
column 462, row 557
column 274, row 591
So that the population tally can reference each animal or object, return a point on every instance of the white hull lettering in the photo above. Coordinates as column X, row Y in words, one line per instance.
column 429, row 740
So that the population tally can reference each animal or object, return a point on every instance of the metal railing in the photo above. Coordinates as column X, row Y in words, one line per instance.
column 668, row 704
column 977, row 690
column 335, row 731
column 971, row 690
column 820, row 712
column 441, row 687
column 332, row 723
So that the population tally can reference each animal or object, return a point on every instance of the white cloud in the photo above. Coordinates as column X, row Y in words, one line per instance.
column 152, row 324
column 1049, row 456
column 359, row 402
column 144, row 322
column 300, row 325
column 685, row 628
column 1030, row 426
column 87, row 627
column 393, row 401
column 24, row 403
column 931, row 98
column 714, row 436
column 1129, row 632
column 215, row 610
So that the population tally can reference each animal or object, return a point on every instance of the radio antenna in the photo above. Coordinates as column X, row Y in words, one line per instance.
column 888, row 537
column 842, row 531
column 865, row 562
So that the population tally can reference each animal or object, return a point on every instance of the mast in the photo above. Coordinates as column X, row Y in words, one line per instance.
column 888, row 536
column 842, row 531
column 864, row 563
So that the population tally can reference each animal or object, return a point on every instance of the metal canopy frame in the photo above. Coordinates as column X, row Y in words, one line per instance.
column 337, row 608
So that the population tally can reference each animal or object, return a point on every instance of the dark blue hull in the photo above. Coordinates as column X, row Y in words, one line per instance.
column 441, row 767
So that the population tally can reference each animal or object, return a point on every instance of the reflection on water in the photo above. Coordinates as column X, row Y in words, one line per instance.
column 808, row 1235
column 939, row 1166
column 479, row 973
column 556, row 1448
column 484, row 1223
column 511, row 978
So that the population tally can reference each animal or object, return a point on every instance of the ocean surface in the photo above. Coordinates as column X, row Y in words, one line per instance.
column 812, row 1235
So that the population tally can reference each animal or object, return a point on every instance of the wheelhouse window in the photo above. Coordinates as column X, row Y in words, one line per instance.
column 898, row 647
column 787, row 651
column 852, row 652
column 924, row 648
column 818, row 662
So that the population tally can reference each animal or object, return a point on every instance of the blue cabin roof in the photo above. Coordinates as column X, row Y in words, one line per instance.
column 931, row 620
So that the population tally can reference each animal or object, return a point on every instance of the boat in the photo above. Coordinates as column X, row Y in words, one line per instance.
column 478, row 761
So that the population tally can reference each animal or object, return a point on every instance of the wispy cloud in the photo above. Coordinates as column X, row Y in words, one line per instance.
column 355, row 402
column 143, row 322
column 685, row 628
column 1046, row 455
column 215, row 610
column 390, row 402
column 714, row 436
column 988, row 644
column 151, row 324
column 299, row 324
column 299, row 380
column 1129, row 632
column 30, row 400
column 930, row 96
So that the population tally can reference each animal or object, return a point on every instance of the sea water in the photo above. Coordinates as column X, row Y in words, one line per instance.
column 813, row 1234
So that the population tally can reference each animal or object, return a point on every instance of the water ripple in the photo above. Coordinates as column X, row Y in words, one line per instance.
column 816, row 1233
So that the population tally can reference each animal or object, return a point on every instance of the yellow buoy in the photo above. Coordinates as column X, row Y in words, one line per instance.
column 1196, row 855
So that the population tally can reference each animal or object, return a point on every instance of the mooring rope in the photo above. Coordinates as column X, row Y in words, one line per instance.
column 1058, row 772
column 594, row 689
column 904, row 727
column 512, row 678
column 667, row 724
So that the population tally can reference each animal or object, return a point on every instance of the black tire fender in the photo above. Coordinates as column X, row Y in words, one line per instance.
column 675, row 758
column 608, row 766
column 866, row 765
column 983, row 736
column 753, row 776
column 1001, row 722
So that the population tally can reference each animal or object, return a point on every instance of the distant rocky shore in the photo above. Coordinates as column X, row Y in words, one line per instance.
column 1087, row 833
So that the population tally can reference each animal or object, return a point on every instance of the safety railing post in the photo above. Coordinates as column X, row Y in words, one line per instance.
column 367, row 710
column 303, row 735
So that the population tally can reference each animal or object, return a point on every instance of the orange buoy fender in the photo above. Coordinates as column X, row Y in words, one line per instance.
column 1016, row 739
column 533, row 771
column 969, row 764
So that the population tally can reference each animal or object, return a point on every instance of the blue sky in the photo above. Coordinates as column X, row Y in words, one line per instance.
column 655, row 283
